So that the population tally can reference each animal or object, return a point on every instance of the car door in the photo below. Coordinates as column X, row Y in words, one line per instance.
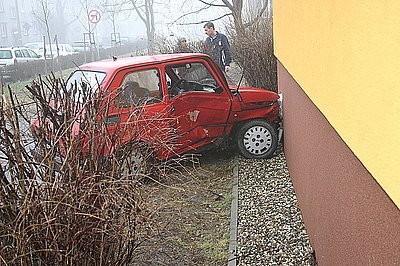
column 137, row 111
column 32, row 55
column 27, row 55
column 199, row 103
column 19, row 56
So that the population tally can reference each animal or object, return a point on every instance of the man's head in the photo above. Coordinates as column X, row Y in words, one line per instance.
column 182, row 41
column 209, row 29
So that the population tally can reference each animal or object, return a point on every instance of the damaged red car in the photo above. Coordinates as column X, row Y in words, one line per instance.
column 147, row 96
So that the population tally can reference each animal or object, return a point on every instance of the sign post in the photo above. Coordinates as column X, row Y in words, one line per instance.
column 94, row 16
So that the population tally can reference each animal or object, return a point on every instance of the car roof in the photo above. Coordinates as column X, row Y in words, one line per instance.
column 33, row 43
column 14, row 47
column 110, row 65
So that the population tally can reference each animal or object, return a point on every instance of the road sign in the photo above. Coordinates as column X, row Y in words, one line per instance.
column 94, row 15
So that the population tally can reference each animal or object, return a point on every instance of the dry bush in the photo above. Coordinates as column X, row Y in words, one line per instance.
column 165, row 46
column 253, row 51
column 68, row 205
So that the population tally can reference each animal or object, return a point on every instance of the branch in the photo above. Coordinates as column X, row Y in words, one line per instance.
column 138, row 12
column 190, row 13
column 211, row 4
column 70, row 22
column 204, row 21
column 227, row 4
column 257, row 18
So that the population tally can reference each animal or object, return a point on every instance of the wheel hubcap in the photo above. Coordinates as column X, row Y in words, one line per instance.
column 135, row 163
column 257, row 140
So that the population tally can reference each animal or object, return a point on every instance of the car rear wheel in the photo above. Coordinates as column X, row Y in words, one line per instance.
column 257, row 139
column 136, row 161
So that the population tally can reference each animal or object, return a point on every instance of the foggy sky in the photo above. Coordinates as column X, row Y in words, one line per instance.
column 71, row 22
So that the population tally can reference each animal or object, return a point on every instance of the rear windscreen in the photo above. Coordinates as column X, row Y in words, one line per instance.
column 5, row 54
column 84, row 82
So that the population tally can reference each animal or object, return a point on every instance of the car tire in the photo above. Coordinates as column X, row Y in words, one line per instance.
column 257, row 139
column 136, row 161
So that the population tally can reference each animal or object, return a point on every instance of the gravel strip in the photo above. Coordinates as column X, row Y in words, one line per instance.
column 270, row 226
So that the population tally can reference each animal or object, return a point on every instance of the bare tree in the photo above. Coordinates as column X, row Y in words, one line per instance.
column 113, row 9
column 88, row 36
column 61, row 24
column 235, row 9
column 42, row 16
column 51, row 16
column 87, row 25
column 145, row 11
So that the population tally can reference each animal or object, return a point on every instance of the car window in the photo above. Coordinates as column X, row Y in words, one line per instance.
column 18, row 53
column 68, row 49
column 32, row 54
column 189, row 77
column 138, row 88
column 84, row 82
column 5, row 54
column 32, row 45
column 25, row 53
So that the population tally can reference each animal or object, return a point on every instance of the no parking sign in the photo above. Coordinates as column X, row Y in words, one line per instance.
column 94, row 16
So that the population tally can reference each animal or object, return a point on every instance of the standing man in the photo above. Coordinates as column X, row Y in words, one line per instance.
column 218, row 47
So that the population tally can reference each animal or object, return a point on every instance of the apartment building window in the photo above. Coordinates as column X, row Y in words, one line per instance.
column 1, row 6
column 13, row 12
column 3, row 30
column 25, row 28
column 21, row 5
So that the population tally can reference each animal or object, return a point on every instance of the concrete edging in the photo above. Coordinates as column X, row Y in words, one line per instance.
column 232, row 259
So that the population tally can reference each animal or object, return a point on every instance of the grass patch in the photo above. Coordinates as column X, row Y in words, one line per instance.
column 195, row 220
column 19, row 90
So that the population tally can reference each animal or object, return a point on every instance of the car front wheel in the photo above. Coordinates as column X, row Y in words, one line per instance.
column 257, row 139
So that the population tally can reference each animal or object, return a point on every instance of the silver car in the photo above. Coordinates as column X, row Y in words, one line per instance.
column 10, row 57
column 13, row 55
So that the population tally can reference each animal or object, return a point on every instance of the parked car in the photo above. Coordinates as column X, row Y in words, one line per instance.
column 63, row 50
column 11, row 56
column 187, row 90
column 80, row 46
column 37, row 47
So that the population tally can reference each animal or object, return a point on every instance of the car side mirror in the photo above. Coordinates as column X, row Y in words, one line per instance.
column 218, row 90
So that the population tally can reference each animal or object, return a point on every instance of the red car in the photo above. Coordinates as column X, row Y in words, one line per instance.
column 149, row 95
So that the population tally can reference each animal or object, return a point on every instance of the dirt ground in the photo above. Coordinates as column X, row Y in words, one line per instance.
column 193, row 216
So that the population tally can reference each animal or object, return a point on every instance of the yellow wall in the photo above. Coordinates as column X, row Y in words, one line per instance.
column 345, row 54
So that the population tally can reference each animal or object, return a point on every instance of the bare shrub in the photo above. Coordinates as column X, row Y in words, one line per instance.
column 253, row 50
column 165, row 46
column 65, row 203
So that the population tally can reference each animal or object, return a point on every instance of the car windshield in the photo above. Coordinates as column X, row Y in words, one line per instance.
column 5, row 54
column 85, row 83
column 34, row 45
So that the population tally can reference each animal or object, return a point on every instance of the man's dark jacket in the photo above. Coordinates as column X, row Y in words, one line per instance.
column 219, row 49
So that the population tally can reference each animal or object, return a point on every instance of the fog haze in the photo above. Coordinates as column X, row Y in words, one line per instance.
column 23, row 21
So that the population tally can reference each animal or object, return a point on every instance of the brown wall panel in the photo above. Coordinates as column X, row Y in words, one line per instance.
column 349, row 218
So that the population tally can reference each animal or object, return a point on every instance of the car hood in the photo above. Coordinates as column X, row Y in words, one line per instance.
column 250, row 95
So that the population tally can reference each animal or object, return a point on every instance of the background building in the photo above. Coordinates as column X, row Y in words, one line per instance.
column 340, row 76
